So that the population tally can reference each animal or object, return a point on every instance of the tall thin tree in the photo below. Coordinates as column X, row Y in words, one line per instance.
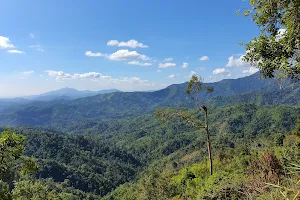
column 194, row 89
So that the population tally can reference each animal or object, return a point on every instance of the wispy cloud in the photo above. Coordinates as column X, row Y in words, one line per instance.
column 28, row 72
column 60, row 76
column 167, row 65
column 31, row 35
column 139, row 63
column 185, row 65
column 169, row 59
column 173, row 75
column 14, row 51
column 37, row 47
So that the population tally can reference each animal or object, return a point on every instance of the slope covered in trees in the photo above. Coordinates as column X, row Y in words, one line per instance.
column 95, row 158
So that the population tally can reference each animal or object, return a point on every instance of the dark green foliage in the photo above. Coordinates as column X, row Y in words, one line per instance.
column 296, row 130
column 13, row 165
column 117, row 151
column 100, row 156
column 278, row 139
column 88, row 164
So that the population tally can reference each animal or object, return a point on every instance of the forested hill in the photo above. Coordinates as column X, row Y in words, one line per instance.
column 251, row 89
column 96, row 157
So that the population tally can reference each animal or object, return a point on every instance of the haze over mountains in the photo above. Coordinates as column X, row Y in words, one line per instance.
column 112, row 104
column 67, row 93
column 64, row 93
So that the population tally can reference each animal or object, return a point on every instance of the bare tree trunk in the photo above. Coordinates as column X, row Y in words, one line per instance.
column 208, row 143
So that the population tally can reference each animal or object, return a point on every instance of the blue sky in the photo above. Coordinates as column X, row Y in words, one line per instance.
column 129, row 45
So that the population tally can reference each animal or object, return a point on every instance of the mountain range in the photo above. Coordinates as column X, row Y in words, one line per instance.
column 67, row 93
column 62, row 111
column 64, row 93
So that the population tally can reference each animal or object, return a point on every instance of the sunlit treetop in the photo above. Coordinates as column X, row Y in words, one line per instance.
column 195, row 87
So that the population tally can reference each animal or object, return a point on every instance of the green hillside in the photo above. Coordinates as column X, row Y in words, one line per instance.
column 96, row 157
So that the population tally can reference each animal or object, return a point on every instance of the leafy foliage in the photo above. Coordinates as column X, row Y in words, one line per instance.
column 277, row 48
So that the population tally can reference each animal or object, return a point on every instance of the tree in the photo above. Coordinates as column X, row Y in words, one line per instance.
column 11, row 150
column 194, row 89
column 277, row 49
column 13, row 164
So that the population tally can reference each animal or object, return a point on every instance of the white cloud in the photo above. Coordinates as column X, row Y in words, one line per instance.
column 201, row 68
column 158, row 70
column 185, row 65
column 220, row 71
column 169, row 59
column 143, row 57
column 15, row 51
column 5, row 43
column 59, row 74
column 129, row 43
column 112, row 43
column 166, row 65
column 28, row 72
column 204, row 58
column 237, row 62
column 125, row 54
column 31, row 35
column 251, row 70
column 139, row 63
column 37, row 47
column 91, row 54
